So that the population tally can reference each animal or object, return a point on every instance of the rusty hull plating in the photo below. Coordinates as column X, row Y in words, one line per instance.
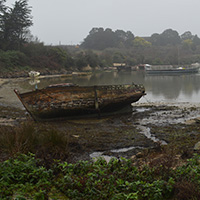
column 68, row 100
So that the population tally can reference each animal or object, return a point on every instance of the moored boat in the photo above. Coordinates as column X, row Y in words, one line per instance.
column 34, row 74
column 171, row 70
column 69, row 100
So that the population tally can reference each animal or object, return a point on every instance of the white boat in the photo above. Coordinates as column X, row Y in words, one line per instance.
column 34, row 74
column 194, row 68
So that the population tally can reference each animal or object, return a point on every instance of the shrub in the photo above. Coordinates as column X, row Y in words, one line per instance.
column 12, row 59
column 23, row 176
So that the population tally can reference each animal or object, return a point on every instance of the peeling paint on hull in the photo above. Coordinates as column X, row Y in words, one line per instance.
column 68, row 100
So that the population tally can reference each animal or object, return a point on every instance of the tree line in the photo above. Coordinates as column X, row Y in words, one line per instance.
column 167, row 47
column 19, row 50
column 101, row 39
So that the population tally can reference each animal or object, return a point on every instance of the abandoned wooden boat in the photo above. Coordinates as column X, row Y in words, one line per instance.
column 68, row 100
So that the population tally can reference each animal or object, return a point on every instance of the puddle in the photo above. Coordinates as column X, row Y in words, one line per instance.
column 139, row 110
column 159, row 115
column 147, row 132
column 96, row 155
column 167, row 113
column 122, row 150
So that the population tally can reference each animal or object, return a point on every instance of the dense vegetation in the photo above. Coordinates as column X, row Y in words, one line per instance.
column 33, row 166
column 20, row 51
column 24, row 177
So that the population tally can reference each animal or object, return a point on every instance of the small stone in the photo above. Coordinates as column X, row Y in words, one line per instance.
column 133, row 157
column 197, row 146
column 139, row 155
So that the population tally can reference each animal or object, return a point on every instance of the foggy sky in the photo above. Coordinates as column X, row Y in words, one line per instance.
column 69, row 21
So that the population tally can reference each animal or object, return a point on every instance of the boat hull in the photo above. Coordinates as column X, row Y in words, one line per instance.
column 172, row 71
column 71, row 101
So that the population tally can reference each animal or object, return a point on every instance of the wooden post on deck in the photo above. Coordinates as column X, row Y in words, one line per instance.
column 96, row 104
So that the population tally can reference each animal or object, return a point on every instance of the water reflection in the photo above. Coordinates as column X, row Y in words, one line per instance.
column 177, row 88
column 159, row 88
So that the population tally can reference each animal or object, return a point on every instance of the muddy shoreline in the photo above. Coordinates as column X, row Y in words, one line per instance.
column 150, row 126
column 147, row 127
column 24, row 73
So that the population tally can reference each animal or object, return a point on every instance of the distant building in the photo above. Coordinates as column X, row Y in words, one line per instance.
column 119, row 64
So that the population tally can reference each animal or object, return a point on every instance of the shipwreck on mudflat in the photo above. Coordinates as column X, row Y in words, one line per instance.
column 69, row 100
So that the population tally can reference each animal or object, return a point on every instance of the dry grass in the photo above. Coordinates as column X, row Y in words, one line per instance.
column 45, row 142
column 187, row 190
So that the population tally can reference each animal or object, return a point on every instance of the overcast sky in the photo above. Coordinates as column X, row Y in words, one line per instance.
column 69, row 21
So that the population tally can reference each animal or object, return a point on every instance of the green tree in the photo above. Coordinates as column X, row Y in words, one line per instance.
column 121, row 35
column 118, row 57
column 187, row 36
column 140, row 42
column 60, row 56
column 187, row 44
column 100, row 39
column 2, row 6
column 126, row 38
column 80, row 60
column 14, row 25
column 3, row 9
column 170, row 36
column 129, row 39
column 196, row 40
column 92, row 59
column 155, row 39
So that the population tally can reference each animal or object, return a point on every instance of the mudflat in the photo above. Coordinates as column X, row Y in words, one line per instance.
column 148, row 126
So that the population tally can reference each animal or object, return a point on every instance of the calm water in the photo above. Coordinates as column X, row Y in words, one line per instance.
column 171, row 88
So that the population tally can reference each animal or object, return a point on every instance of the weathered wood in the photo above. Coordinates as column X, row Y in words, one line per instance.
column 71, row 100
